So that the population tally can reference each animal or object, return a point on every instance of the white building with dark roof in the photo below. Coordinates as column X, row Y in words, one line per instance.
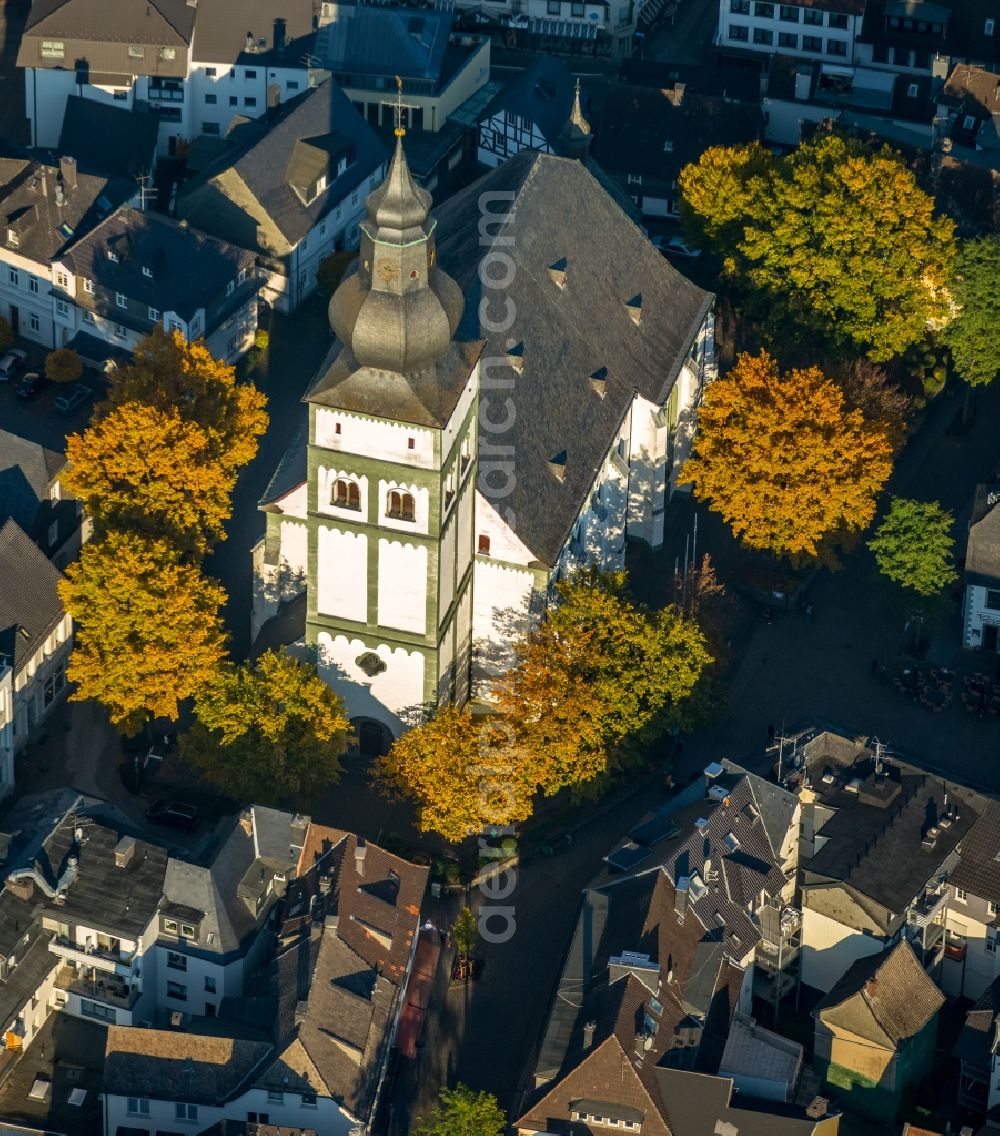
column 816, row 29
column 458, row 462
column 981, row 605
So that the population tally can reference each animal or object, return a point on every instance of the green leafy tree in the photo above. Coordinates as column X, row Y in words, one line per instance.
column 914, row 546
column 63, row 365
column 462, row 1112
column 837, row 236
column 269, row 731
column 974, row 334
column 465, row 932
column 148, row 634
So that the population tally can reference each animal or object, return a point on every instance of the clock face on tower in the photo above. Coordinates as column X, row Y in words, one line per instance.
column 388, row 273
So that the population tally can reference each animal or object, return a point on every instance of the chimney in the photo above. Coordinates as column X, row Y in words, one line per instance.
column 249, row 41
column 360, row 852
column 279, row 34
column 816, row 1109
column 124, row 851
column 67, row 167
column 246, row 822
column 871, row 988
column 588, row 1034
column 23, row 889
column 678, row 93
column 803, row 81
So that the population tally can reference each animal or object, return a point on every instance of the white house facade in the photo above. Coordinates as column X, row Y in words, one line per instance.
column 827, row 29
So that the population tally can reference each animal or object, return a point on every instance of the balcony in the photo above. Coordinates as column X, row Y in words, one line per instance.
column 110, row 960
column 170, row 92
column 928, row 908
column 111, row 991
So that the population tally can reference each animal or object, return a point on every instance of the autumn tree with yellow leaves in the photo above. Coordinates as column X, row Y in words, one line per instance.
column 836, row 235
column 783, row 461
column 148, row 633
column 270, row 731
column 596, row 678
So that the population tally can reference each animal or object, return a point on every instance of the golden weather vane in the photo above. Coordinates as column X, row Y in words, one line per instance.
column 400, row 128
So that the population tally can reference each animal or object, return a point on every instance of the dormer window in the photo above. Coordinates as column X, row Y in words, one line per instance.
column 147, row 272
column 242, row 276
column 400, row 505
column 88, row 286
column 320, row 184
column 188, row 931
column 230, row 287
column 346, row 494
column 12, row 239
column 112, row 255
column 668, row 146
column 135, row 51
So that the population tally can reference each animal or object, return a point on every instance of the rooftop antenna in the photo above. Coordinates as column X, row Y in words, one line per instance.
column 879, row 748
column 146, row 191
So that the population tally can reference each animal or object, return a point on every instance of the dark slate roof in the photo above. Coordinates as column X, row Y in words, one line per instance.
column 973, row 92
column 982, row 555
column 165, row 22
column 974, row 1047
column 189, row 269
column 107, row 139
column 30, row 608
column 726, row 81
column 978, row 870
column 30, row 971
column 27, row 471
column 319, row 125
column 886, row 998
column 286, row 30
column 964, row 37
column 656, row 132
column 559, row 212
column 292, row 469
column 697, row 1104
column 173, row 1066
column 365, row 40
column 543, row 94
column 29, row 205
column 677, row 987
column 874, row 840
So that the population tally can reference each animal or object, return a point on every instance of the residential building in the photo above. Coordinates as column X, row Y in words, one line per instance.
column 36, row 638
column 43, row 209
column 368, row 48
column 293, row 192
column 970, row 963
column 928, row 36
column 969, row 101
column 981, row 605
column 110, row 140
column 77, row 47
column 976, row 1049
column 876, row 1031
column 879, row 839
column 529, row 112
column 802, row 93
column 331, row 999
column 139, row 270
column 595, row 28
column 644, row 136
column 31, row 494
column 246, row 68
column 406, row 566
column 810, row 29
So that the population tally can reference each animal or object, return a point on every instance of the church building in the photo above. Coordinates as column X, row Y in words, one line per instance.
column 511, row 395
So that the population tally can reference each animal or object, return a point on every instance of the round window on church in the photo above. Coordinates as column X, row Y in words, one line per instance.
column 370, row 663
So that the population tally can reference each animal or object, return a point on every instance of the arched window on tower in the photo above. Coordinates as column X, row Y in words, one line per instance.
column 346, row 494
column 400, row 505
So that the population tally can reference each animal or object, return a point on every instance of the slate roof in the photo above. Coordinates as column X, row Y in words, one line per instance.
column 252, row 182
column 982, row 555
column 286, row 30
column 725, row 81
column 974, row 1046
column 292, row 469
column 27, row 472
column 173, row 1066
column 188, row 269
column 978, row 870
column 164, row 22
column 558, row 212
column 874, row 839
column 30, row 608
column 886, row 998
column 543, row 94
column 682, row 997
column 108, row 140
column 964, row 36
column 28, row 204
column 634, row 126
column 212, row 890
column 973, row 91
column 364, row 40
column 345, row 942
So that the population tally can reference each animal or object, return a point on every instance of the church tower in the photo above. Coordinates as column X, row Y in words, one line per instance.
column 391, row 474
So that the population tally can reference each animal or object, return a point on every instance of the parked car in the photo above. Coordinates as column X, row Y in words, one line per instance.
column 173, row 814
column 677, row 246
column 73, row 398
column 13, row 365
column 32, row 385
